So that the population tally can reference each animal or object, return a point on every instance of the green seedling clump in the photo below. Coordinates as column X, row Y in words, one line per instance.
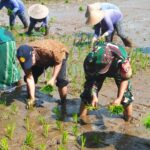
column 47, row 89
column 90, row 107
column 10, row 130
column 116, row 109
column 146, row 122
column 42, row 146
column 4, row 144
column 29, row 139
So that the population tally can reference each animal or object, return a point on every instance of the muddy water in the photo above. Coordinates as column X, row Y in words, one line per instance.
column 68, row 19
column 101, row 129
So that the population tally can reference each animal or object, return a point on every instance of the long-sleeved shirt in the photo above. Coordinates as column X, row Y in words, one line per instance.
column 112, row 16
column 14, row 5
column 105, row 6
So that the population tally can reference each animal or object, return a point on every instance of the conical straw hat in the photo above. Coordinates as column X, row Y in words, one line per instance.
column 93, row 6
column 38, row 11
column 94, row 17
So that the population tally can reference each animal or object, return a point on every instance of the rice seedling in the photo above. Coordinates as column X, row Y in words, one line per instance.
column 81, row 8
column 61, row 147
column 75, row 130
column 14, row 108
column 64, row 137
column 4, row 144
column 41, row 120
column 10, row 130
column 90, row 107
column 42, row 146
column 83, row 141
column 115, row 109
column 29, row 139
column 46, row 127
column 75, row 118
column 42, row 29
column 146, row 122
column 27, row 123
column 59, row 125
column 47, row 89
column 57, row 112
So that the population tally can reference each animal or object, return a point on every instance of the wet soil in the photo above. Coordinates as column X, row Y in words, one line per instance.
column 67, row 19
column 103, row 130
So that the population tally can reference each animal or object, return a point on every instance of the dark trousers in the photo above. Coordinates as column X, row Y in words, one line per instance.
column 21, row 16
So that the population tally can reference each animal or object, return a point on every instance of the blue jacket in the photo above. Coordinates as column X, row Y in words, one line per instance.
column 16, row 6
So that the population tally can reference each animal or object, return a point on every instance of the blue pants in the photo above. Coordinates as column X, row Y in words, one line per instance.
column 22, row 17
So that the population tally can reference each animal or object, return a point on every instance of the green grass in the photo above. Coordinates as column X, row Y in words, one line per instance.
column 81, row 8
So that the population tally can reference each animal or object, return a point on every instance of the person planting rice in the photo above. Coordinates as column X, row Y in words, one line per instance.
column 106, row 19
column 36, row 57
column 15, row 8
column 107, row 60
column 38, row 15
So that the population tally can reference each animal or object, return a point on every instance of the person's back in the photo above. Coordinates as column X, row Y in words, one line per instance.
column 106, row 6
column 48, row 52
column 13, row 4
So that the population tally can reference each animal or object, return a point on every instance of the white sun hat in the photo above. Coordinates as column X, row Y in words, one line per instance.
column 38, row 11
column 94, row 17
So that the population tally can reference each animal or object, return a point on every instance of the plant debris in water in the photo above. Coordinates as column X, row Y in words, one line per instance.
column 115, row 109
column 147, row 122
column 47, row 89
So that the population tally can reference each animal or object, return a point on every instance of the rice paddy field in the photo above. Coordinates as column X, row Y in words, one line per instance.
column 50, row 126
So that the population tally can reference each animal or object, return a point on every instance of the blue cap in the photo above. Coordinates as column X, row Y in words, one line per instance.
column 24, row 55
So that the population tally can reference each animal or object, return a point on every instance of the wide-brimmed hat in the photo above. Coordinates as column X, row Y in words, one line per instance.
column 94, row 17
column 93, row 6
column 24, row 55
column 38, row 11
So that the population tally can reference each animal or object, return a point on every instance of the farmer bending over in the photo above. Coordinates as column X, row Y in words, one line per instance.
column 107, row 60
column 106, row 19
column 15, row 8
column 38, row 15
column 36, row 57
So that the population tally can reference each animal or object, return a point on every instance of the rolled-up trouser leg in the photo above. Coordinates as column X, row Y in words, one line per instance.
column 121, row 34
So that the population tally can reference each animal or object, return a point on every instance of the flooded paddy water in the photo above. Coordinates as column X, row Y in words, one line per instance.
column 101, row 130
